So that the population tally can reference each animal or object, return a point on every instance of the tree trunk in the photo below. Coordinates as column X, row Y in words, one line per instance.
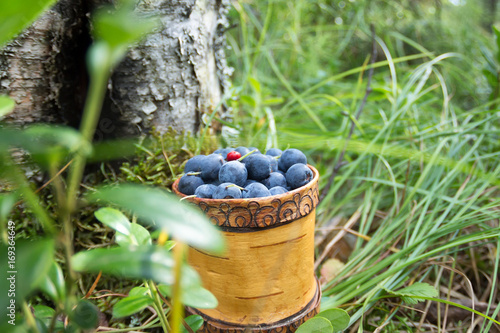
column 168, row 80
column 43, row 68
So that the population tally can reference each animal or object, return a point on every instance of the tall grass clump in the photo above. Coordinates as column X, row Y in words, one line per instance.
column 419, row 178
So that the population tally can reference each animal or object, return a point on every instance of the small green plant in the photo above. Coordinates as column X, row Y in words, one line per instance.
column 127, row 260
column 33, row 266
column 328, row 321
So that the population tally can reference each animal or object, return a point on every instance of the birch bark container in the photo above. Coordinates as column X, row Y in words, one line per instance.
column 265, row 281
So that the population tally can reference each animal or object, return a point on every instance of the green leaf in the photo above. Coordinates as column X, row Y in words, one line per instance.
column 17, row 15
column 40, row 325
column 337, row 317
column 99, row 60
column 112, row 149
column 169, row 245
column 39, row 138
column 273, row 100
column 7, row 104
column 141, row 262
column 130, row 305
column 316, row 325
column 46, row 144
column 255, row 84
column 194, row 321
column 138, row 291
column 21, row 326
column 114, row 28
column 183, row 221
column 141, row 234
column 7, row 202
column 44, row 313
column 497, row 35
column 138, row 236
column 31, row 263
column 410, row 294
column 488, row 56
column 85, row 315
column 114, row 219
column 194, row 296
column 53, row 283
column 248, row 100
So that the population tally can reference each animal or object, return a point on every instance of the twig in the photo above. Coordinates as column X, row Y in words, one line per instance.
column 166, row 158
column 91, row 290
column 354, row 218
column 368, row 90
column 54, row 177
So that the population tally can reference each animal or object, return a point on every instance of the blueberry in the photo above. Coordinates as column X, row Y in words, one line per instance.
column 250, row 153
column 233, row 172
column 249, row 181
column 194, row 164
column 278, row 190
column 205, row 191
column 210, row 167
column 256, row 190
column 279, row 171
column 290, row 157
column 275, row 179
column 274, row 152
column 273, row 162
column 216, row 182
column 242, row 150
column 258, row 166
column 188, row 184
column 227, row 191
column 218, row 151
column 298, row 175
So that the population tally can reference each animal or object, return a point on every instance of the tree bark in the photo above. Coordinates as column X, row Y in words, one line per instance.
column 43, row 70
column 170, row 79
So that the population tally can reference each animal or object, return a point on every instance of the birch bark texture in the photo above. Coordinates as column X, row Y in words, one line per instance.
column 43, row 69
column 169, row 80
column 177, row 73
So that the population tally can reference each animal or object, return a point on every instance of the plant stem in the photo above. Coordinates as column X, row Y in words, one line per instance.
column 93, row 104
column 157, row 305
column 246, row 155
column 120, row 330
column 201, row 139
column 53, row 321
column 177, row 309
column 29, row 318
column 87, row 128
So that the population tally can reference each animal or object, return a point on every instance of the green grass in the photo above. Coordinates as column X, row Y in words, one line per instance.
column 422, row 165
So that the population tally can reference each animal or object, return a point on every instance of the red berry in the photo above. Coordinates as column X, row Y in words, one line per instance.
column 234, row 155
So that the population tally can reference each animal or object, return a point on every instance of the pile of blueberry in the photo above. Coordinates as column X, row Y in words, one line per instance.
column 234, row 173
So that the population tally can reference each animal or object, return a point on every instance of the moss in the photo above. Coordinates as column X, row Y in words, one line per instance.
column 160, row 159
